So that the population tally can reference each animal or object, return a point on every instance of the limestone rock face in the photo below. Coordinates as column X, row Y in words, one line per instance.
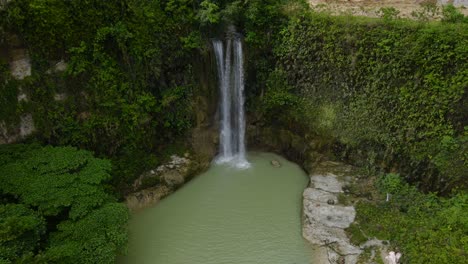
column 172, row 173
column 173, row 178
column 325, row 220
column 164, row 180
column 454, row 2
column 26, row 125
column 4, row 137
column 371, row 8
column 20, row 64
column 10, row 135
column 328, row 183
column 147, row 197
column 60, row 66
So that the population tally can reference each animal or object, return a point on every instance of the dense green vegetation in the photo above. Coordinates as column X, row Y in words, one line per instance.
column 127, row 85
column 54, row 207
column 132, row 68
column 389, row 94
column 394, row 89
column 427, row 228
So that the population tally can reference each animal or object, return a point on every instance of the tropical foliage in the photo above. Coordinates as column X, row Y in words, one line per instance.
column 389, row 93
column 393, row 88
column 54, row 207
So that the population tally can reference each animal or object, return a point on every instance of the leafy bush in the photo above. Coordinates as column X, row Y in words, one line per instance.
column 20, row 231
column 452, row 15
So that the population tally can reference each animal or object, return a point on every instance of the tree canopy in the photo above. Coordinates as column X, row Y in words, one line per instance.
column 55, row 207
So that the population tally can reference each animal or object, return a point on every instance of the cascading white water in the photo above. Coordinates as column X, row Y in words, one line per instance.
column 231, row 86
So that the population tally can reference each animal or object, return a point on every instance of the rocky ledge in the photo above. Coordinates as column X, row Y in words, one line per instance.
column 155, row 184
column 325, row 218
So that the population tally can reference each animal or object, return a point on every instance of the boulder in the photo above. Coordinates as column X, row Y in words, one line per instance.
column 172, row 173
column 275, row 164
column 145, row 198
column 172, row 178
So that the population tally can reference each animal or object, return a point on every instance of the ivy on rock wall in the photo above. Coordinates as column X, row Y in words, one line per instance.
column 395, row 88
column 128, row 76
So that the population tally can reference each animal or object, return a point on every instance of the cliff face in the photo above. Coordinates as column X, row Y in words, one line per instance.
column 371, row 7
column 16, row 57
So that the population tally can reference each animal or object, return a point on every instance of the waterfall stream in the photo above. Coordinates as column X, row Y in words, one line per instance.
column 230, row 65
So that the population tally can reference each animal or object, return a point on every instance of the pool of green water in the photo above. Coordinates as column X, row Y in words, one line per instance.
column 225, row 216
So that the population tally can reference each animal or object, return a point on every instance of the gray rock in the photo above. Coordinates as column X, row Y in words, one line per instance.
column 146, row 198
column 173, row 178
column 60, row 96
column 60, row 66
column 172, row 173
column 329, row 215
column 454, row 2
column 20, row 64
column 22, row 96
column 275, row 163
column 26, row 125
column 327, row 183
column 5, row 138
column 324, row 221
column 316, row 195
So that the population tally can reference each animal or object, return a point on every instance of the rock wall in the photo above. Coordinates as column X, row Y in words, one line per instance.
column 155, row 184
column 19, row 63
column 204, row 136
column 325, row 219
column 306, row 150
column 328, row 210
column 371, row 7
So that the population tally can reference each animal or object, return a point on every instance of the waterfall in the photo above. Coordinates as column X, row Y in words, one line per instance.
column 230, row 64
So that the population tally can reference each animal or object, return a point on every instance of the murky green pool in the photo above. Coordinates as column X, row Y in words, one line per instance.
column 226, row 216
